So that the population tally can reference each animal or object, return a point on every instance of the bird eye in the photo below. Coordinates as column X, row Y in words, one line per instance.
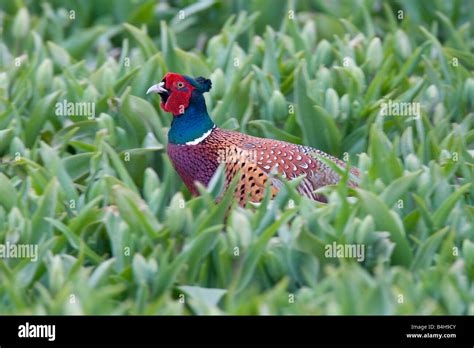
column 180, row 84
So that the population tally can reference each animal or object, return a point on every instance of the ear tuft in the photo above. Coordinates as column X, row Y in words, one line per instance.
column 205, row 85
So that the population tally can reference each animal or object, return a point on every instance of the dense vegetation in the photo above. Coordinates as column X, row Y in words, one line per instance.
column 118, row 233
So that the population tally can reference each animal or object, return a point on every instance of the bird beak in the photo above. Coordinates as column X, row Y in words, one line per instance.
column 158, row 88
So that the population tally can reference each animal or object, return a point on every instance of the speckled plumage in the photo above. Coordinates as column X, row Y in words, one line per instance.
column 254, row 158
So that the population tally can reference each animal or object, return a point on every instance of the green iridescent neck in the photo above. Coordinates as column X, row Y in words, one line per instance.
column 193, row 124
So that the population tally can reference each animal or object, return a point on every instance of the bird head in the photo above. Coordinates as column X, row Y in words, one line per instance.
column 176, row 90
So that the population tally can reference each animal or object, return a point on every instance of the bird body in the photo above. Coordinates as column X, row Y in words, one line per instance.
column 197, row 147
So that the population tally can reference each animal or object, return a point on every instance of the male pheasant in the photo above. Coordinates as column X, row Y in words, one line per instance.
column 197, row 147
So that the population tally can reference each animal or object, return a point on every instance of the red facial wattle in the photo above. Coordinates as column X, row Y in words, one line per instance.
column 180, row 91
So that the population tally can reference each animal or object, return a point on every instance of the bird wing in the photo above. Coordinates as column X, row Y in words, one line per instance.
column 292, row 161
column 258, row 158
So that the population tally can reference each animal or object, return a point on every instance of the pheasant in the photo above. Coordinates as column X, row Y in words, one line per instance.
column 196, row 147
